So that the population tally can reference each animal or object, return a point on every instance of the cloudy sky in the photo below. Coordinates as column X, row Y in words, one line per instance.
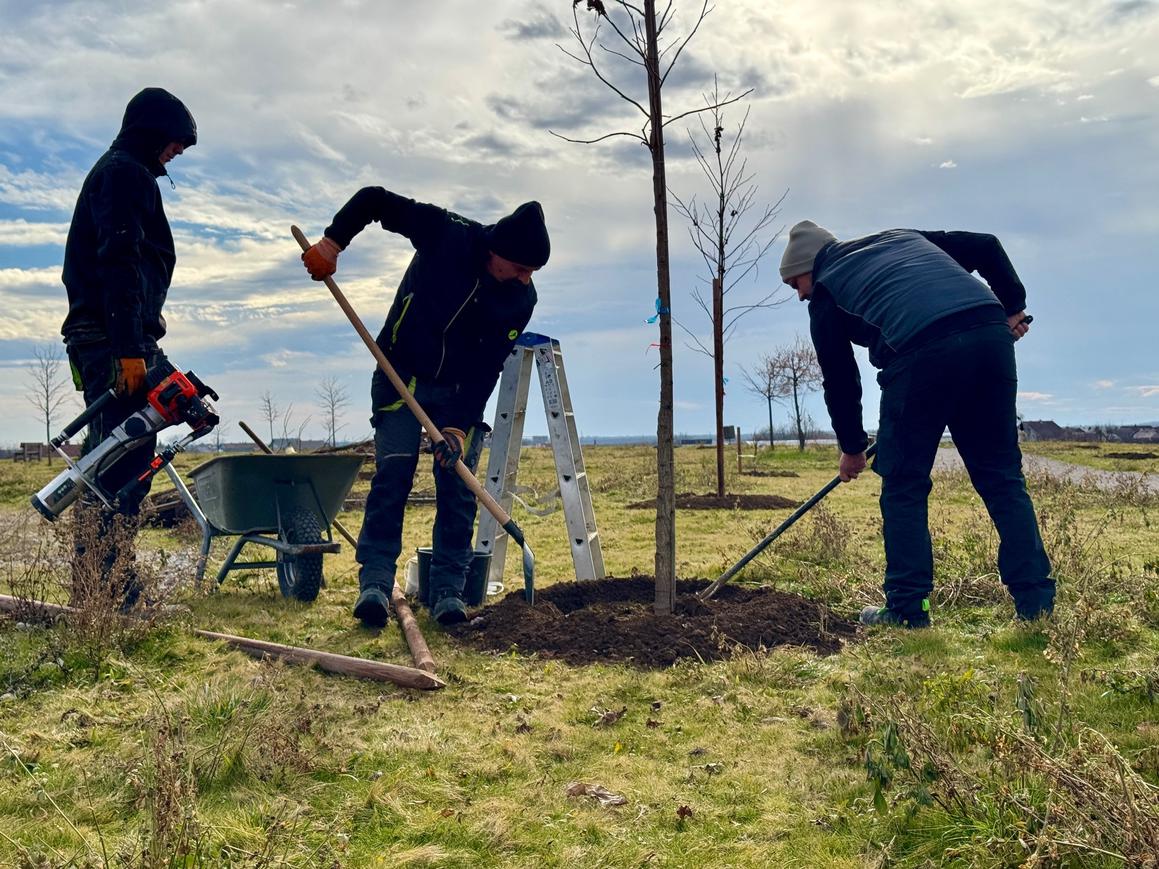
column 1036, row 121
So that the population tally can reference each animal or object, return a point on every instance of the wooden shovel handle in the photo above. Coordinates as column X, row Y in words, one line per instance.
column 432, row 430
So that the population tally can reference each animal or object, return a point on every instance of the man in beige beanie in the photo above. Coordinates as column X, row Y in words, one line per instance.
column 944, row 344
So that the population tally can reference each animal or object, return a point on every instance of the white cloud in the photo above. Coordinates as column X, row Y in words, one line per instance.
column 454, row 109
column 22, row 233
column 1104, row 384
column 1148, row 391
column 1035, row 396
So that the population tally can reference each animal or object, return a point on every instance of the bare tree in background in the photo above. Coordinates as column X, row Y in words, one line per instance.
column 50, row 388
column 759, row 381
column 794, row 373
column 638, row 45
column 219, row 435
column 271, row 413
column 729, row 238
column 333, row 399
column 292, row 436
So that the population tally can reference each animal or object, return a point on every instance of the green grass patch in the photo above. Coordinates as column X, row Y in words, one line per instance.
column 952, row 746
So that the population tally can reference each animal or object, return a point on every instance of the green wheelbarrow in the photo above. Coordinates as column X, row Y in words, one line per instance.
column 285, row 502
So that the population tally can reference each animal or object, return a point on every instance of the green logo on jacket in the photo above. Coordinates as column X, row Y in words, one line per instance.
column 513, row 334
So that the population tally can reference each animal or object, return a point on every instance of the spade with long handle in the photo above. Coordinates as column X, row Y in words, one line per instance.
column 710, row 590
column 492, row 506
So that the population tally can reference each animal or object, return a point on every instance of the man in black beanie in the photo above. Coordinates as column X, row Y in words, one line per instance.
column 118, row 262
column 944, row 342
column 465, row 298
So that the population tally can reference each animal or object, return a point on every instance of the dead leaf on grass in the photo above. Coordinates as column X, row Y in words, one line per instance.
column 608, row 717
column 597, row 792
column 683, row 812
column 651, row 723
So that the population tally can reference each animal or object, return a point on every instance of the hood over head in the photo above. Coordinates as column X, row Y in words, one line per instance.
column 153, row 119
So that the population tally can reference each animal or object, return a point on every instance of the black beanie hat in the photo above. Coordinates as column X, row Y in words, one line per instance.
column 521, row 236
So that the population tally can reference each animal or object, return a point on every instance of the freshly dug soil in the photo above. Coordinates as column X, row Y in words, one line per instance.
column 611, row 620
column 769, row 474
column 690, row 501
column 1130, row 456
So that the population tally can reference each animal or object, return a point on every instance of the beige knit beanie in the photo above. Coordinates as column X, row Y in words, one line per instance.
column 805, row 241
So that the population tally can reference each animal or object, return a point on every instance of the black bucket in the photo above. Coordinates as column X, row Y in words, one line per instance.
column 476, row 585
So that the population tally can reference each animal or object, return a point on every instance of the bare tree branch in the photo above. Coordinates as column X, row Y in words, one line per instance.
column 333, row 399
column 49, row 389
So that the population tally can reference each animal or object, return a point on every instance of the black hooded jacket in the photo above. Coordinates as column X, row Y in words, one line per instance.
column 119, row 257
column 451, row 323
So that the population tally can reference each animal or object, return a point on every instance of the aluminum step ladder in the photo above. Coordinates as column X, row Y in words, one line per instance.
column 503, row 462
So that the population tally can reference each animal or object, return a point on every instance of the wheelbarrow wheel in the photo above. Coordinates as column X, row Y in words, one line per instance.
column 302, row 577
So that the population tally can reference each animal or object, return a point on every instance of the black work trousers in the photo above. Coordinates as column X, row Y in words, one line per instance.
column 966, row 381
column 94, row 374
column 397, row 434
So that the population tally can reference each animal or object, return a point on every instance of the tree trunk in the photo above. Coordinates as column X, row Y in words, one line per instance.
column 771, row 436
column 718, row 373
column 797, row 415
column 665, row 471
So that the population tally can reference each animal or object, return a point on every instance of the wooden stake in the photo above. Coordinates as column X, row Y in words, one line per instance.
column 342, row 665
column 419, row 649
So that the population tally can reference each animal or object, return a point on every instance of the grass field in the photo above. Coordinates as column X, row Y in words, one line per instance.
column 978, row 742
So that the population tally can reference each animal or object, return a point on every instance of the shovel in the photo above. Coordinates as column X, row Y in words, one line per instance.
column 712, row 589
column 505, row 521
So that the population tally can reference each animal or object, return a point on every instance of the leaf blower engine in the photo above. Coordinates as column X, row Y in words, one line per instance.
column 173, row 398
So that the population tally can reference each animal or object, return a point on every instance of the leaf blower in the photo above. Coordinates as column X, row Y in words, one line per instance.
column 173, row 398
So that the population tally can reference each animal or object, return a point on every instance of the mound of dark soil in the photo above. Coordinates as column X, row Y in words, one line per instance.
column 1131, row 455
column 611, row 620
column 769, row 474
column 690, row 501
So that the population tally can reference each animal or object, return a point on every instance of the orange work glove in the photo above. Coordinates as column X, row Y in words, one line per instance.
column 130, row 376
column 322, row 259
column 450, row 448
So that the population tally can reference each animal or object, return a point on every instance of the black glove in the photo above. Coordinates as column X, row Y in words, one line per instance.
column 450, row 449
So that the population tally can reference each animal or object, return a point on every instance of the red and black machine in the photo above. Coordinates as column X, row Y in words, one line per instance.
column 173, row 398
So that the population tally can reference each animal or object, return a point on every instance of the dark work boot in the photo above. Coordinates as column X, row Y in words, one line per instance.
column 872, row 616
column 373, row 606
column 449, row 608
column 1034, row 603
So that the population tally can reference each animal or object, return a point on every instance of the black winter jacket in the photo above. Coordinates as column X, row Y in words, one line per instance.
column 119, row 257
column 893, row 292
column 451, row 322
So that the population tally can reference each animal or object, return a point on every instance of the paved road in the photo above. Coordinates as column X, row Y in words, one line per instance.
column 948, row 459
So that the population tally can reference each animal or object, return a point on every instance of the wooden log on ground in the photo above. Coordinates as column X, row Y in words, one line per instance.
column 331, row 662
column 419, row 649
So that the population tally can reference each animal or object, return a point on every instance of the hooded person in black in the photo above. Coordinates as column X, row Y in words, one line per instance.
column 466, row 297
column 118, row 263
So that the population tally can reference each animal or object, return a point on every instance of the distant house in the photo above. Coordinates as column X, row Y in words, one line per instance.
column 31, row 451
column 1146, row 434
column 1041, row 430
